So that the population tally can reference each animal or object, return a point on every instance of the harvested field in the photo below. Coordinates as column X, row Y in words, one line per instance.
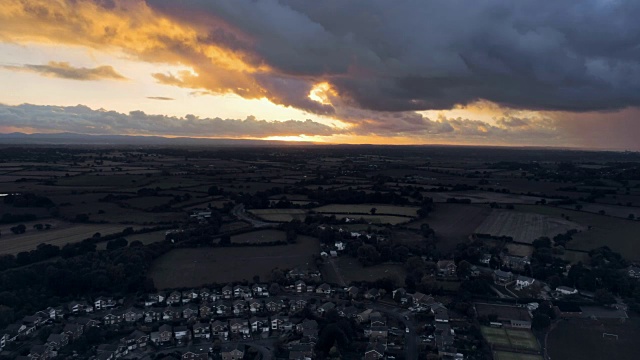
column 279, row 215
column 579, row 339
column 454, row 223
column 261, row 236
column 60, row 234
column 524, row 227
column 618, row 234
column 366, row 209
column 199, row 266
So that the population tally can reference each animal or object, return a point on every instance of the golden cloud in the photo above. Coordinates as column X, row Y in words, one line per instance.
column 65, row 71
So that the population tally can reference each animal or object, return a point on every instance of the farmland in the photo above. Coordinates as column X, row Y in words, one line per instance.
column 279, row 215
column 366, row 209
column 199, row 266
column 619, row 234
column 579, row 339
column 524, row 227
column 60, row 234
column 454, row 223
column 259, row 237
column 344, row 270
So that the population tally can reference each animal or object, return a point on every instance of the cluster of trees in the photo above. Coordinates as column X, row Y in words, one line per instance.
column 28, row 200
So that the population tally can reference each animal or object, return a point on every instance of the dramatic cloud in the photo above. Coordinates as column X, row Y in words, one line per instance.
column 376, row 54
column 163, row 98
column 65, row 71
column 81, row 119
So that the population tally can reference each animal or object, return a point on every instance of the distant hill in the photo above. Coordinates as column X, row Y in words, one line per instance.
column 18, row 138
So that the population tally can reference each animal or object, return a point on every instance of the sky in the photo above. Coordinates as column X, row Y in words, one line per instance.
column 524, row 73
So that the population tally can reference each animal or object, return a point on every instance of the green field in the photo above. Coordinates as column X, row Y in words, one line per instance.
column 579, row 339
column 279, row 215
column 199, row 266
column 409, row 211
column 619, row 234
column 343, row 270
column 259, row 237
column 510, row 338
column 504, row 355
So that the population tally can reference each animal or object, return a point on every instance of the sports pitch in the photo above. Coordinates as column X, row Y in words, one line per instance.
column 510, row 338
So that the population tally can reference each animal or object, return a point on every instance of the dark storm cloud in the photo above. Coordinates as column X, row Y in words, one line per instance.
column 416, row 55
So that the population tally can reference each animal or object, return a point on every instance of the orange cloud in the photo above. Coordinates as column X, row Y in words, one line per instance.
column 65, row 71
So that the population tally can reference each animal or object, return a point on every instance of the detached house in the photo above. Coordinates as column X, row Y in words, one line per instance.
column 239, row 326
column 165, row 334
column 201, row 331
column 102, row 303
column 57, row 341
column 274, row 305
column 324, row 289
column 255, row 306
column 260, row 290
column 136, row 340
column 232, row 351
column 259, row 324
column 220, row 329
column 524, row 281
column 446, row 268
column 301, row 286
column 243, row 292
column 133, row 315
column 227, row 292
column 174, row 298
column 196, row 353
column 374, row 351
column 502, row 277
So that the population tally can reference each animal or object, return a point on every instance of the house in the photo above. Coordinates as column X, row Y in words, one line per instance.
column 377, row 333
column 196, row 353
column 376, row 319
column 204, row 294
column 136, row 340
column 324, row 308
column 152, row 315
column 485, row 259
column 517, row 263
column 165, row 333
column 298, row 304
column 201, row 331
column 77, row 307
column 102, row 303
column 260, row 290
column 259, row 324
column 240, row 291
column 353, row 291
column 174, row 298
column 348, row 312
column 374, row 351
column 113, row 317
column 74, row 331
column 132, row 315
column 565, row 290
column 40, row 352
column 171, row 313
column 364, row 316
column 419, row 298
column 502, row 277
column 239, row 326
column 278, row 321
column 206, row 309
column 307, row 324
column 633, row 272
column 301, row 352
column 57, row 341
column 232, row 351
column 339, row 245
column 371, row 294
column 440, row 313
column 220, row 329
column 446, row 267
column 274, row 305
column 239, row 306
column 301, row 286
column 524, row 281
column 181, row 333
column 255, row 306
column 324, row 289
column 222, row 307
column 190, row 295
column 227, row 292
column 190, row 311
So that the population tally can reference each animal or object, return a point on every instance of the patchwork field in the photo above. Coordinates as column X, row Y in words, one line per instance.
column 619, row 234
column 366, row 209
column 279, row 215
column 579, row 339
column 524, row 227
column 259, row 237
column 61, row 234
column 199, row 266
column 453, row 223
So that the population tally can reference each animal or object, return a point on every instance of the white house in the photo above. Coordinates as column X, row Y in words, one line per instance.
column 524, row 281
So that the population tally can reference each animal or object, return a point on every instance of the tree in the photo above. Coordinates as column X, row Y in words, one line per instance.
column 540, row 321
column 117, row 243
column 19, row 229
column 225, row 240
column 368, row 255
column 542, row 242
column 464, row 269
column 604, row 297
column 373, row 211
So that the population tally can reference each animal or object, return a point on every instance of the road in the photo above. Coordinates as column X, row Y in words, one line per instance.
column 263, row 346
column 239, row 212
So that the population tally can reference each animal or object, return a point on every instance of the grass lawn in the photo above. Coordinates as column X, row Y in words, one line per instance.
column 350, row 270
column 199, row 266
column 579, row 339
